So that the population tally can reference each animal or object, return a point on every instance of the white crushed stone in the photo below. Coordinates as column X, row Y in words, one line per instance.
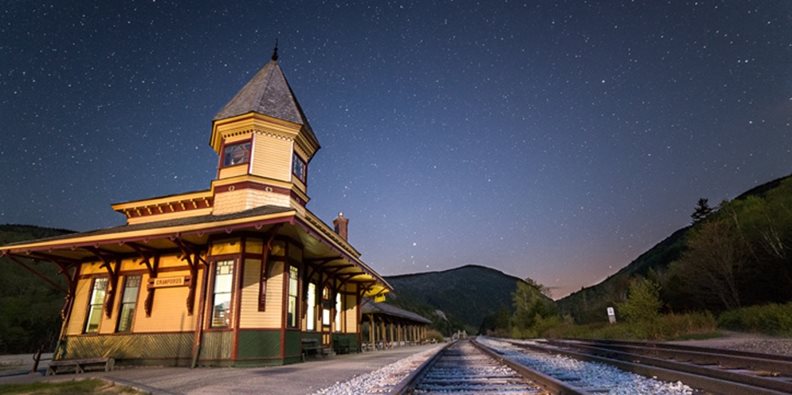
column 592, row 376
column 381, row 380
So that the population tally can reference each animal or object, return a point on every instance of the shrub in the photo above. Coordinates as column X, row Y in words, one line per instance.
column 433, row 334
column 668, row 326
column 643, row 302
column 772, row 319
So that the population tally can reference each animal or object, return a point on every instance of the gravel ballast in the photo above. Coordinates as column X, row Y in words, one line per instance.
column 381, row 380
column 592, row 376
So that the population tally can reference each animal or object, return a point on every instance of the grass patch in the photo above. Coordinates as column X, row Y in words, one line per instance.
column 772, row 319
column 664, row 327
column 90, row 386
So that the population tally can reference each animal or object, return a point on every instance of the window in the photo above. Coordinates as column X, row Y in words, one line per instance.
column 338, row 312
column 221, row 295
column 128, row 303
column 291, row 319
column 311, row 313
column 299, row 168
column 326, row 303
column 236, row 154
column 95, row 305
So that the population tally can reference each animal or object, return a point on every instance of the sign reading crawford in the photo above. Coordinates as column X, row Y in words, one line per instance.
column 166, row 282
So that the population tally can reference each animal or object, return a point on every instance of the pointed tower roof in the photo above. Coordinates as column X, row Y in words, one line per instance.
column 267, row 93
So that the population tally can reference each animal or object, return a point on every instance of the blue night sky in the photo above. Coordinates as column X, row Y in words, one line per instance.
column 555, row 140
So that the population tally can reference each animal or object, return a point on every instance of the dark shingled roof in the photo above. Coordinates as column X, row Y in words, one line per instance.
column 267, row 93
column 263, row 210
column 369, row 307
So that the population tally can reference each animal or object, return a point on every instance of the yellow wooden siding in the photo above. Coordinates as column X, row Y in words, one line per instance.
column 92, row 268
column 244, row 199
column 80, row 308
column 250, row 317
column 231, row 246
column 169, row 311
column 272, row 157
column 233, row 171
column 301, row 151
column 300, row 185
column 166, row 261
column 131, row 264
column 351, row 314
column 169, row 261
column 254, row 246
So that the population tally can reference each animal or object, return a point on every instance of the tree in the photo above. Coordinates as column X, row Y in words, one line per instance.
column 713, row 262
column 643, row 302
column 530, row 305
column 702, row 210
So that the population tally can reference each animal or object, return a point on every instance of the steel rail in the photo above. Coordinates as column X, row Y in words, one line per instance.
column 407, row 385
column 683, row 347
column 699, row 377
column 549, row 383
column 413, row 382
column 763, row 364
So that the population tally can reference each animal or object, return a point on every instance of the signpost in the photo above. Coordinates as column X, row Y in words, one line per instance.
column 611, row 315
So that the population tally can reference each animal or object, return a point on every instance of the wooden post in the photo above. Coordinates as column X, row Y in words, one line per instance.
column 372, row 328
column 383, row 334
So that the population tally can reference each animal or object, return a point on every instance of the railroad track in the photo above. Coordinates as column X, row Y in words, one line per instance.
column 706, row 369
column 465, row 367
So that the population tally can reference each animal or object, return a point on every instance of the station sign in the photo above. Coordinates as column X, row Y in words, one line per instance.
column 168, row 282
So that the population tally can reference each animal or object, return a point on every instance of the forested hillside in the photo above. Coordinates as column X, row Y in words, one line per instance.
column 461, row 298
column 736, row 254
column 29, row 309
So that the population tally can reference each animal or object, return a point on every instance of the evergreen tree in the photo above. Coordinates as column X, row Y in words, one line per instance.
column 702, row 210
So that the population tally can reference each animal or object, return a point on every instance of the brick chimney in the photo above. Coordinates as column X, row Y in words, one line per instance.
column 341, row 225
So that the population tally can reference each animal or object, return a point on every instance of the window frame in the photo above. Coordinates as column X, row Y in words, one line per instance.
column 338, row 320
column 211, row 316
column 234, row 144
column 295, row 315
column 295, row 159
column 90, row 304
column 135, row 303
column 310, row 315
column 327, row 300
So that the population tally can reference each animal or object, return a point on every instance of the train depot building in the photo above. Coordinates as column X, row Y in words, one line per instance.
column 239, row 274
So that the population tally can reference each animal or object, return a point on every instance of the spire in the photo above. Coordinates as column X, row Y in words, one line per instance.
column 267, row 93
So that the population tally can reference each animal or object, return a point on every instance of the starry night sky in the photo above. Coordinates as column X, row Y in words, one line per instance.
column 556, row 140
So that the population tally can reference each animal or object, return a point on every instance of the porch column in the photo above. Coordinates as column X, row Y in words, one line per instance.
column 372, row 328
column 383, row 333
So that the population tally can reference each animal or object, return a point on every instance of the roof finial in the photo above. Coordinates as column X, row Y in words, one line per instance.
column 275, row 51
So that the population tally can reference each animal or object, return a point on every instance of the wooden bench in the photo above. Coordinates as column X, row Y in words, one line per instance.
column 80, row 365
column 341, row 345
column 311, row 346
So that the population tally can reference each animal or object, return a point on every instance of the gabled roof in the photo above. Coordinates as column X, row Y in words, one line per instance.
column 267, row 93
column 369, row 307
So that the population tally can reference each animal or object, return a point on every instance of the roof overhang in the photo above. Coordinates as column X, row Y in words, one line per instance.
column 320, row 250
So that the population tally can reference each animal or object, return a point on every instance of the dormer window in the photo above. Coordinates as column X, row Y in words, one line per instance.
column 236, row 154
column 299, row 168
